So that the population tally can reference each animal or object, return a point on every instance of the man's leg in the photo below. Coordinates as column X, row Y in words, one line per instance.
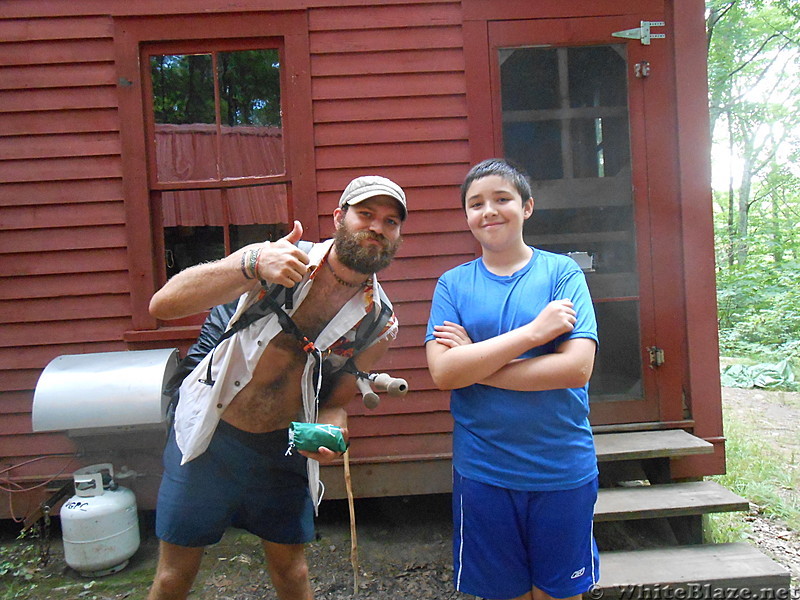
column 177, row 568
column 288, row 570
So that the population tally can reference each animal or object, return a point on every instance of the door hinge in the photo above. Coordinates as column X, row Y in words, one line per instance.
column 656, row 356
column 642, row 32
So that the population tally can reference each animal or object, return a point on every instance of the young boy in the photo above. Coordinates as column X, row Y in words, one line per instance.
column 513, row 335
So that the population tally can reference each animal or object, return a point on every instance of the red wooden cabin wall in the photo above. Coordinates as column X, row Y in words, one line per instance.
column 389, row 96
column 64, row 285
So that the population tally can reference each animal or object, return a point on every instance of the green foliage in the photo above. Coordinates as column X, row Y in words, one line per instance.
column 756, row 470
column 248, row 82
column 754, row 93
column 759, row 309
column 18, row 564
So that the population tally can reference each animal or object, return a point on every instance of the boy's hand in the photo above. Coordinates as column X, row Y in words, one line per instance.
column 556, row 318
column 282, row 262
column 451, row 335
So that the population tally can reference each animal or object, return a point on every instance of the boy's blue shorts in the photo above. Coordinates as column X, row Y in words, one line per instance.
column 506, row 542
column 242, row 480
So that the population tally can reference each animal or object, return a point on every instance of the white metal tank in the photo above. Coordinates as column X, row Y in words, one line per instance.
column 99, row 524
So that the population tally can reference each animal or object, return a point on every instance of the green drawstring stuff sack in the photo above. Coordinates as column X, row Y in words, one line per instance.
column 312, row 436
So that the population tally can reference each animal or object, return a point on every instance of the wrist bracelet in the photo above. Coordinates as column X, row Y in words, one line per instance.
column 244, row 270
column 254, row 254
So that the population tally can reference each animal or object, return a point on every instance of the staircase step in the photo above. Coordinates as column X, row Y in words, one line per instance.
column 638, row 445
column 666, row 500
column 722, row 567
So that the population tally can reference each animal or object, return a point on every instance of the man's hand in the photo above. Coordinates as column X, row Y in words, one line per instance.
column 333, row 415
column 282, row 262
column 323, row 456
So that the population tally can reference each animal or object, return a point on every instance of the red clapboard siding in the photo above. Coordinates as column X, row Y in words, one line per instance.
column 12, row 424
column 49, row 285
column 419, row 199
column 65, row 192
column 72, row 238
column 16, row 402
column 54, row 52
column 414, row 402
column 395, row 154
column 388, row 85
column 435, row 174
column 32, row 444
column 398, row 446
column 58, row 99
column 66, row 262
column 399, row 424
column 433, row 107
column 375, row 17
column 70, row 307
column 26, row 30
column 61, row 466
column 56, row 76
column 93, row 167
column 353, row 133
column 59, row 146
column 401, row 291
column 87, row 329
column 63, row 121
column 421, row 268
column 62, row 215
column 38, row 357
column 368, row 40
column 398, row 61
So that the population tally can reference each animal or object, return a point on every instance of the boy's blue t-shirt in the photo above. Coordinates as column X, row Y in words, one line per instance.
column 532, row 441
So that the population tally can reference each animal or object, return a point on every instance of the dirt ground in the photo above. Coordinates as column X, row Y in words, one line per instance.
column 403, row 543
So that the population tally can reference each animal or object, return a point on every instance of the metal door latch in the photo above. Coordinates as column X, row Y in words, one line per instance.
column 642, row 32
column 656, row 356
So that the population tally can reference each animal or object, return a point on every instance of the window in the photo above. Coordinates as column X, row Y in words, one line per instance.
column 217, row 140
column 217, row 160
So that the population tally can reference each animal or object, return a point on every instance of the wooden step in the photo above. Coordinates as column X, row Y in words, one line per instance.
column 726, row 569
column 638, row 445
column 666, row 500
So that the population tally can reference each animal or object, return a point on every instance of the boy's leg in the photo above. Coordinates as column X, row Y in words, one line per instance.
column 489, row 552
column 538, row 594
column 288, row 570
column 177, row 568
column 563, row 555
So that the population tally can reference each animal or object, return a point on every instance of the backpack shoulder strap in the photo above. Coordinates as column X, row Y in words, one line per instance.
column 372, row 325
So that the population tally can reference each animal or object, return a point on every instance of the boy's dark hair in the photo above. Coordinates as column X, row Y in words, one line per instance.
column 501, row 167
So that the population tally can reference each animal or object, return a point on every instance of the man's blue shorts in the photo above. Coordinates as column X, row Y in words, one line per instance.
column 506, row 542
column 242, row 480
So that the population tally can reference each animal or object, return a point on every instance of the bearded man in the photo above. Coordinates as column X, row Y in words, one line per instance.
column 225, row 463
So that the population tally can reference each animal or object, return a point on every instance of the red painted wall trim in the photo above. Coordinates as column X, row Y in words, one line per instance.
column 694, row 181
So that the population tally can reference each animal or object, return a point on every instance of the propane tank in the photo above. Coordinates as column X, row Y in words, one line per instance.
column 99, row 524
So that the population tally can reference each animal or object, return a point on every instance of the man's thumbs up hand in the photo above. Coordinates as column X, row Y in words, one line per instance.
column 282, row 262
column 296, row 234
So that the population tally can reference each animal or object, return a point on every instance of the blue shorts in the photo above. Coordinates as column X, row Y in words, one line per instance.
column 242, row 480
column 506, row 542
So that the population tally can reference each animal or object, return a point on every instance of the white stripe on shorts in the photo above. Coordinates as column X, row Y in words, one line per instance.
column 460, row 541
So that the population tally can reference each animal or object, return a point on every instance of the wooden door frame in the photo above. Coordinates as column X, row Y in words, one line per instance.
column 655, row 181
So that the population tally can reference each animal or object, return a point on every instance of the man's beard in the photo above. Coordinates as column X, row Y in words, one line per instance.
column 363, row 259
